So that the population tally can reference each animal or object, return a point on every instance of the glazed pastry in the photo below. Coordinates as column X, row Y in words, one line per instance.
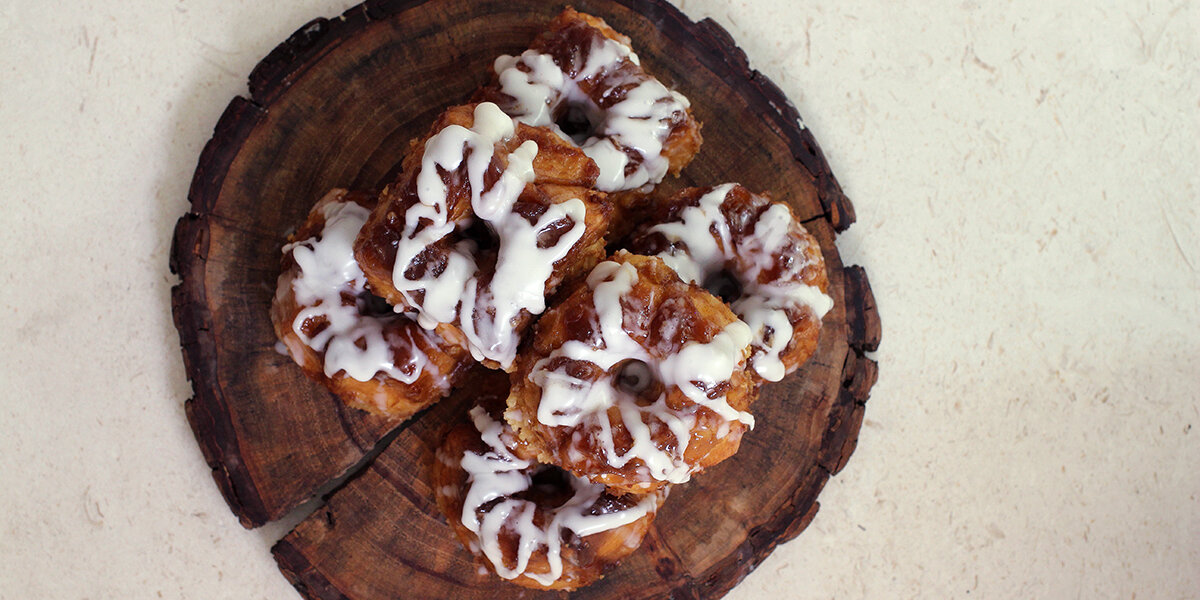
column 490, row 216
column 755, row 255
column 583, row 79
column 533, row 524
column 636, row 380
column 625, row 376
column 341, row 335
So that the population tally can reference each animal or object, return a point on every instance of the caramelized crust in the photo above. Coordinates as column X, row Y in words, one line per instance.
column 570, row 41
column 406, row 340
column 770, row 267
column 548, row 495
column 591, row 434
column 561, row 174
column 557, row 161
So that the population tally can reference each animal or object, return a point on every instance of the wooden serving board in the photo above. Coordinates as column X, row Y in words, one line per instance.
column 335, row 106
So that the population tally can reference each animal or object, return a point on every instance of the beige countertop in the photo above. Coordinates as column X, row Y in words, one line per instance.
column 1027, row 181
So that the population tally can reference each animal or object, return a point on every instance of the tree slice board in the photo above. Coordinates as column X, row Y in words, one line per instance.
column 335, row 106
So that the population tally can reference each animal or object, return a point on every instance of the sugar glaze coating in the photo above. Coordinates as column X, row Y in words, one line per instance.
column 779, row 272
column 384, row 363
column 479, row 171
column 636, row 380
column 641, row 130
column 532, row 524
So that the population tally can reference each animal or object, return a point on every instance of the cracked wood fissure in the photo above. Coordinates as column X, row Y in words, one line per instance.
column 336, row 105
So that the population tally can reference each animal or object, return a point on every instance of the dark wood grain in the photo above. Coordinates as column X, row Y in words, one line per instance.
column 334, row 106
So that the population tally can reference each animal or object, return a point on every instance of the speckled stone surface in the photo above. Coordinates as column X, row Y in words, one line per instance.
column 1027, row 179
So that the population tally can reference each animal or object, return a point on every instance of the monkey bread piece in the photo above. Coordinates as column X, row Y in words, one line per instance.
column 583, row 79
column 533, row 524
column 489, row 217
column 635, row 380
column 756, row 256
column 341, row 335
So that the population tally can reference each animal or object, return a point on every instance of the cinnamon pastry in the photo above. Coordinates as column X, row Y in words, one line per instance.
column 636, row 380
column 582, row 78
column 533, row 524
column 341, row 335
column 488, row 219
column 755, row 255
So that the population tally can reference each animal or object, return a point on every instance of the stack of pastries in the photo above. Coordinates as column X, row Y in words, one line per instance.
column 627, row 331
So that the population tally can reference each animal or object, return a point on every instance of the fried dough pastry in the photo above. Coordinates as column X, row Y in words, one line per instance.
column 756, row 256
column 533, row 524
column 582, row 78
column 636, row 380
column 488, row 218
column 340, row 335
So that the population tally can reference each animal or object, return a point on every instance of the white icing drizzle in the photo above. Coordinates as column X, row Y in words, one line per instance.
column 640, row 123
column 568, row 401
column 763, row 306
column 486, row 314
column 499, row 474
column 328, row 276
